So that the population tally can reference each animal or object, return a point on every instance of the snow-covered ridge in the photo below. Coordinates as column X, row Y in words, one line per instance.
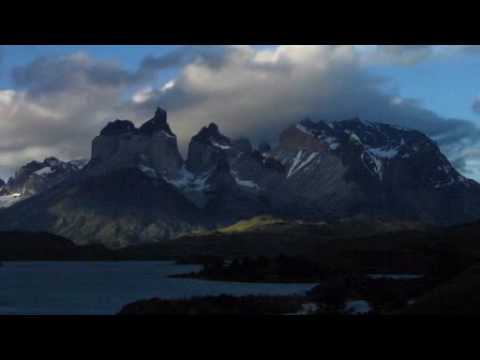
column 379, row 143
column 332, row 142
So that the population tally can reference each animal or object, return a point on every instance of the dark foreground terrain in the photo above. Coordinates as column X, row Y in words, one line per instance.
column 217, row 305
column 395, row 268
column 404, row 271
column 339, row 296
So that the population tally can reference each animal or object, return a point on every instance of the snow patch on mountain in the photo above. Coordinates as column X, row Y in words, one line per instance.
column 148, row 171
column 299, row 163
column 354, row 138
column 305, row 130
column 449, row 182
column 383, row 153
column 45, row 171
column 245, row 183
column 187, row 181
column 167, row 134
column 223, row 147
column 376, row 162
column 79, row 163
column 296, row 161
column 9, row 200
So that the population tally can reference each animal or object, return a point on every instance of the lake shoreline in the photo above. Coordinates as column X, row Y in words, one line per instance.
column 105, row 287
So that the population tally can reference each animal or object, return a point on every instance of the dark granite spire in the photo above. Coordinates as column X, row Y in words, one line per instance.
column 157, row 123
column 118, row 127
column 206, row 134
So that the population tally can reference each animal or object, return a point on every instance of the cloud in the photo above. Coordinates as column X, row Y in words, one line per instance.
column 209, row 55
column 76, row 72
column 476, row 105
column 259, row 93
column 57, row 107
column 404, row 54
column 60, row 104
column 407, row 55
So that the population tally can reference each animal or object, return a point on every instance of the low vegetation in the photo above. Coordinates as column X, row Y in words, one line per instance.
column 216, row 305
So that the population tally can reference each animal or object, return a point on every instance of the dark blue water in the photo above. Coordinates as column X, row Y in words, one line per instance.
column 81, row 288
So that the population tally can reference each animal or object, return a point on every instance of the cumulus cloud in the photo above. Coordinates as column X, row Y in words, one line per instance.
column 60, row 104
column 57, row 107
column 47, row 75
column 258, row 93
column 209, row 55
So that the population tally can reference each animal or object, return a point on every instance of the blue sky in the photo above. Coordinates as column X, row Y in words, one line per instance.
column 58, row 105
column 446, row 86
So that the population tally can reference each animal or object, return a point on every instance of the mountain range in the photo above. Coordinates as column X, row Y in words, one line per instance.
column 137, row 188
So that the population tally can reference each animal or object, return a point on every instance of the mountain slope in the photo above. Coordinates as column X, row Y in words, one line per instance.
column 137, row 188
column 376, row 169
column 120, row 208
column 36, row 177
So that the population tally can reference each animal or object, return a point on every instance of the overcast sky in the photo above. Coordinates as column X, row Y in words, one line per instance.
column 55, row 99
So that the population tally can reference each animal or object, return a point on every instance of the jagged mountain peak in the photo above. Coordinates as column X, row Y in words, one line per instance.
column 207, row 148
column 118, row 127
column 212, row 127
column 366, row 134
column 376, row 166
column 156, row 124
column 52, row 161
column 139, row 147
column 317, row 170
column 211, row 135
column 37, row 176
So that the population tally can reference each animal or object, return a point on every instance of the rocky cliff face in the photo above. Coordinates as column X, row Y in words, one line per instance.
column 121, row 145
column 377, row 169
column 137, row 188
column 206, row 149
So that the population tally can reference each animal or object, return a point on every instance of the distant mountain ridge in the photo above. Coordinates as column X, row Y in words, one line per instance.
column 36, row 177
column 137, row 188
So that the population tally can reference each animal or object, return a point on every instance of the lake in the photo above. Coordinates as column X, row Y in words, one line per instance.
column 102, row 288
